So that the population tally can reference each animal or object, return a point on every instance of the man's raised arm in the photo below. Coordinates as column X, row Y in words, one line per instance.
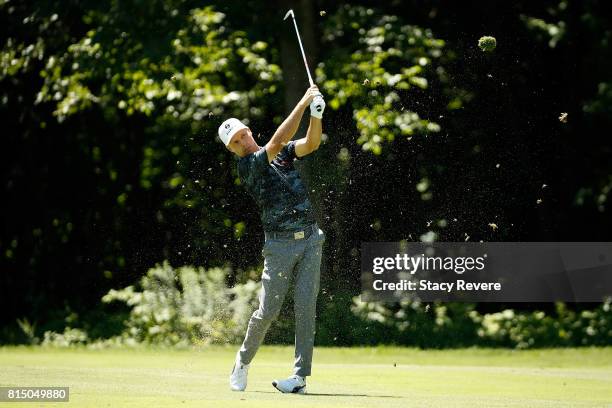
column 287, row 129
column 311, row 142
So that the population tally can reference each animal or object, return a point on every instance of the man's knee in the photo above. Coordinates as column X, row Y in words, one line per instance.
column 266, row 314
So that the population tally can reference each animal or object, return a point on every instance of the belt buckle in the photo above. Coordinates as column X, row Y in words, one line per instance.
column 298, row 235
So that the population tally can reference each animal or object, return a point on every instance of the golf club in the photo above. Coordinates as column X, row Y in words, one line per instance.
column 297, row 32
column 318, row 100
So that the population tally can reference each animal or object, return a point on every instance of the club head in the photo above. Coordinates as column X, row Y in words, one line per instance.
column 289, row 13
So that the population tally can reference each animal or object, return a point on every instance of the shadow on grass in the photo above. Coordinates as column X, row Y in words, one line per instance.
column 315, row 394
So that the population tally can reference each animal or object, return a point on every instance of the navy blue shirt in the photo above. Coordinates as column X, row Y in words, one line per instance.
column 277, row 189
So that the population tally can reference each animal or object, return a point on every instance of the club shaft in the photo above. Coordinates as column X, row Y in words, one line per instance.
column 302, row 49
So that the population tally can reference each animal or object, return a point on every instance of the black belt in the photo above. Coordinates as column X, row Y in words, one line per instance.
column 303, row 234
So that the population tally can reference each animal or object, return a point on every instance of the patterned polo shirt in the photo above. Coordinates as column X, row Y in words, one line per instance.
column 277, row 189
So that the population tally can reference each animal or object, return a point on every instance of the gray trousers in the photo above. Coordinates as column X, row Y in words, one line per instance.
column 287, row 260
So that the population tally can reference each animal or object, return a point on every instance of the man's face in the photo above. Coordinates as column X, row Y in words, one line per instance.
column 242, row 143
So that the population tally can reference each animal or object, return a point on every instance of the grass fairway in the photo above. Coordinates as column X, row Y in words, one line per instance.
column 342, row 377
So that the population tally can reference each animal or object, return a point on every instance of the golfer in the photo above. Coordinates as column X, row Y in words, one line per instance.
column 293, row 241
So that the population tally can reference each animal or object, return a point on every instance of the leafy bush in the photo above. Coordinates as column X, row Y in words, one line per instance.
column 419, row 324
column 185, row 306
column 188, row 305
column 460, row 324
column 70, row 337
column 537, row 329
column 29, row 331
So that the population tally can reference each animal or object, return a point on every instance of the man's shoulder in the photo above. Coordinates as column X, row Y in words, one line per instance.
column 252, row 162
column 288, row 151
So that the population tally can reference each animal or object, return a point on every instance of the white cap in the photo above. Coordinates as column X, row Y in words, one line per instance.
column 229, row 128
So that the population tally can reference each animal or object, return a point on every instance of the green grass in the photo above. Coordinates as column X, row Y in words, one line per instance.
column 342, row 377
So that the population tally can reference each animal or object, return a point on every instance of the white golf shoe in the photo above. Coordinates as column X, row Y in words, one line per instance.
column 294, row 384
column 238, row 377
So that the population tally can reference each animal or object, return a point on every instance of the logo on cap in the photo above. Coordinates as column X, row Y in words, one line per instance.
column 229, row 128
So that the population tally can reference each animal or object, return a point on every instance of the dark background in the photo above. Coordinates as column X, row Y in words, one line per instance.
column 95, row 194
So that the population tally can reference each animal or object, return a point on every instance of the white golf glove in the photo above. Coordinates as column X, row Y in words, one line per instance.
column 317, row 106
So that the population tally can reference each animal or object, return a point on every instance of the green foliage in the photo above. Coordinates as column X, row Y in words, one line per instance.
column 565, row 327
column 382, row 59
column 110, row 112
column 70, row 337
column 487, row 43
column 602, row 103
column 460, row 325
column 202, row 70
column 553, row 32
column 190, row 306
column 185, row 306
column 29, row 330
column 416, row 323
column 131, row 95
column 18, row 57
column 183, row 83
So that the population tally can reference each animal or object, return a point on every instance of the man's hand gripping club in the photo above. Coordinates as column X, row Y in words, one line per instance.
column 287, row 129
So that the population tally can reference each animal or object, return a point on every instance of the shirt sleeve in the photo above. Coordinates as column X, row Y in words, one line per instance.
column 290, row 148
column 253, row 164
